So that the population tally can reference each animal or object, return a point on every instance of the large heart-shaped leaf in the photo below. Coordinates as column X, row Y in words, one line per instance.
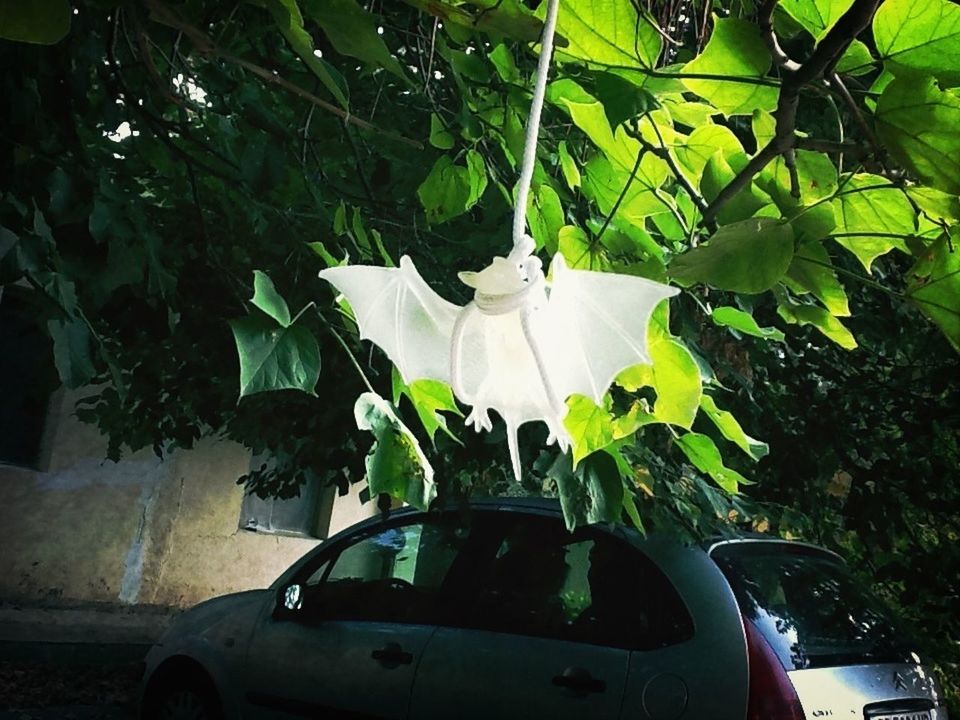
column 274, row 357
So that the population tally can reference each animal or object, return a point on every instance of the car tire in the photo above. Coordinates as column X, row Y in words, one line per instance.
column 182, row 697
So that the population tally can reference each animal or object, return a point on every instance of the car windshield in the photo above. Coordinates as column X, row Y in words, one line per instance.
column 808, row 607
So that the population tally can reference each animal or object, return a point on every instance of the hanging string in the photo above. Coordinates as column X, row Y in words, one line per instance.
column 533, row 125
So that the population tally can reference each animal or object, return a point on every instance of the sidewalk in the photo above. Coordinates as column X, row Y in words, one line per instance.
column 79, row 662
column 80, row 634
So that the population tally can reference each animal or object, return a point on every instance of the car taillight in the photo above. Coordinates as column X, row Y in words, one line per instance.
column 772, row 696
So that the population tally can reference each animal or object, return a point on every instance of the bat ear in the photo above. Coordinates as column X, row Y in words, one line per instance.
column 468, row 278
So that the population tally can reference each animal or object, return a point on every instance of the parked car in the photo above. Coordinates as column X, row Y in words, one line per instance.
column 496, row 611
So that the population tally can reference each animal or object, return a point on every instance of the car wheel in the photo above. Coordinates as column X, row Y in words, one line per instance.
column 184, row 699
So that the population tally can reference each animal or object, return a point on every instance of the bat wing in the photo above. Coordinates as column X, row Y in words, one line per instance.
column 397, row 310
column 599, row 322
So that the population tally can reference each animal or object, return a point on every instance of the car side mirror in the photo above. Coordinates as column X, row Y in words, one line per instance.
column 289, row 601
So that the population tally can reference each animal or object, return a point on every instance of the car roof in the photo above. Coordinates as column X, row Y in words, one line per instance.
column 551, row 506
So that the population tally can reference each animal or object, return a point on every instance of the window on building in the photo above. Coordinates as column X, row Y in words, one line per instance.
column 306, row 515
column 27, row 380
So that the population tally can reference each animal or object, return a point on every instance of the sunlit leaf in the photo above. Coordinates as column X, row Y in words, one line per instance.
column 744, row 322
column 608, row 32
column 730, row 428
column 812, row 271
column 816, row 16
column 918, row 122
column 872, row 217
column 935, row 286
column 704, row 455
column 822, row 320
column 919, row 38
column 735, row 49
column 396, row 466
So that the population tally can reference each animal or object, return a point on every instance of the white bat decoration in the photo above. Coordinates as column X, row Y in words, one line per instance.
column 521, row 347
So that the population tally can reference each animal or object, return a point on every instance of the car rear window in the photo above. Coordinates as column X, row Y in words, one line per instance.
column 809, row 608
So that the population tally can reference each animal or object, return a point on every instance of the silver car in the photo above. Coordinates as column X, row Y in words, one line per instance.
column 495, row 611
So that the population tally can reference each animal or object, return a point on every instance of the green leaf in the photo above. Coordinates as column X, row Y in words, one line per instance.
column 744, row 322
column 919, row 38
column 622, row 100
column 735, row 49
column 353, row 31
column 935, row 285
column 320, row 249
column 821, row 320
column 71, row 352
column 857, row 60
column 507, row 18
column 286, row 14
column 396, row 466
column 674, row 375
column 572, row 242
column 477, row 175
column 730, row 428
column 608, row 32
column 266, row 297
column 571, row 173
column 764, row 126
column 746, row 257
column 7, row 240
column 703, row 143
column 871, row 216
column 43, row 22
column 545, row 217
column 939, row 206
column 717, row 174
column 440, row 137
column 593, row 493
column 589, row 425
column 703, row 453
column 604, row 183
column 918, row 122
column 812, row 271
column 450, row 190
column 429, row 398
column 275, row 358
column 816, row 16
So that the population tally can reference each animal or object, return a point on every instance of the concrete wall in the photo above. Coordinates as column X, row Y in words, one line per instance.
column 138, row 531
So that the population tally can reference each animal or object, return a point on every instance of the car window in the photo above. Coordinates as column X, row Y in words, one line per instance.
column 393, row 574
column 808, row 607
column 541, row 580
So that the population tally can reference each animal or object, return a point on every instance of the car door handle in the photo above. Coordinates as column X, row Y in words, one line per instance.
column 392, row 654
column 580, row 680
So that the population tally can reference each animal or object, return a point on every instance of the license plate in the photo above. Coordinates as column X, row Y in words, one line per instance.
column 913, row 715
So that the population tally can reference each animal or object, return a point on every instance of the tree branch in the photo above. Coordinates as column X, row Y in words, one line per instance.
column 850, row 24
column 205, row 46
column 765, row 20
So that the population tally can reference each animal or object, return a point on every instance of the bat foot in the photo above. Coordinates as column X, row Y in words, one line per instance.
column 480, row 419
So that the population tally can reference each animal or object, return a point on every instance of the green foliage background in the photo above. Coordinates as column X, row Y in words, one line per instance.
column 175, row 174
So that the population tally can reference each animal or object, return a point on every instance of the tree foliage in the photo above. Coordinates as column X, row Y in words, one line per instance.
column 179, row 172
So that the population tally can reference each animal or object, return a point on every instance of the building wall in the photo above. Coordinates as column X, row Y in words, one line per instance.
column 138, row 531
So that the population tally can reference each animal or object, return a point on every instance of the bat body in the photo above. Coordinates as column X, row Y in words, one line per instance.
column 521, row 347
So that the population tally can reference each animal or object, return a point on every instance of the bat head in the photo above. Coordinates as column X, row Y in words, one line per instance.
column 501, row 277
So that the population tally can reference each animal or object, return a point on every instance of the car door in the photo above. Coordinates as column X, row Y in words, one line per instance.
column 354, row 627
column 542, row 627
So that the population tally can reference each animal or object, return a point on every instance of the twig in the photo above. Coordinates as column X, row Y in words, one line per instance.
column 205, row 46
column 790, row 160
column 850, row 24
column 851, row 104
column 765, row 20
column 623, row 194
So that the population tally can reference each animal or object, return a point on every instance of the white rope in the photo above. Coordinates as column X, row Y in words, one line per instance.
column 533, row 124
